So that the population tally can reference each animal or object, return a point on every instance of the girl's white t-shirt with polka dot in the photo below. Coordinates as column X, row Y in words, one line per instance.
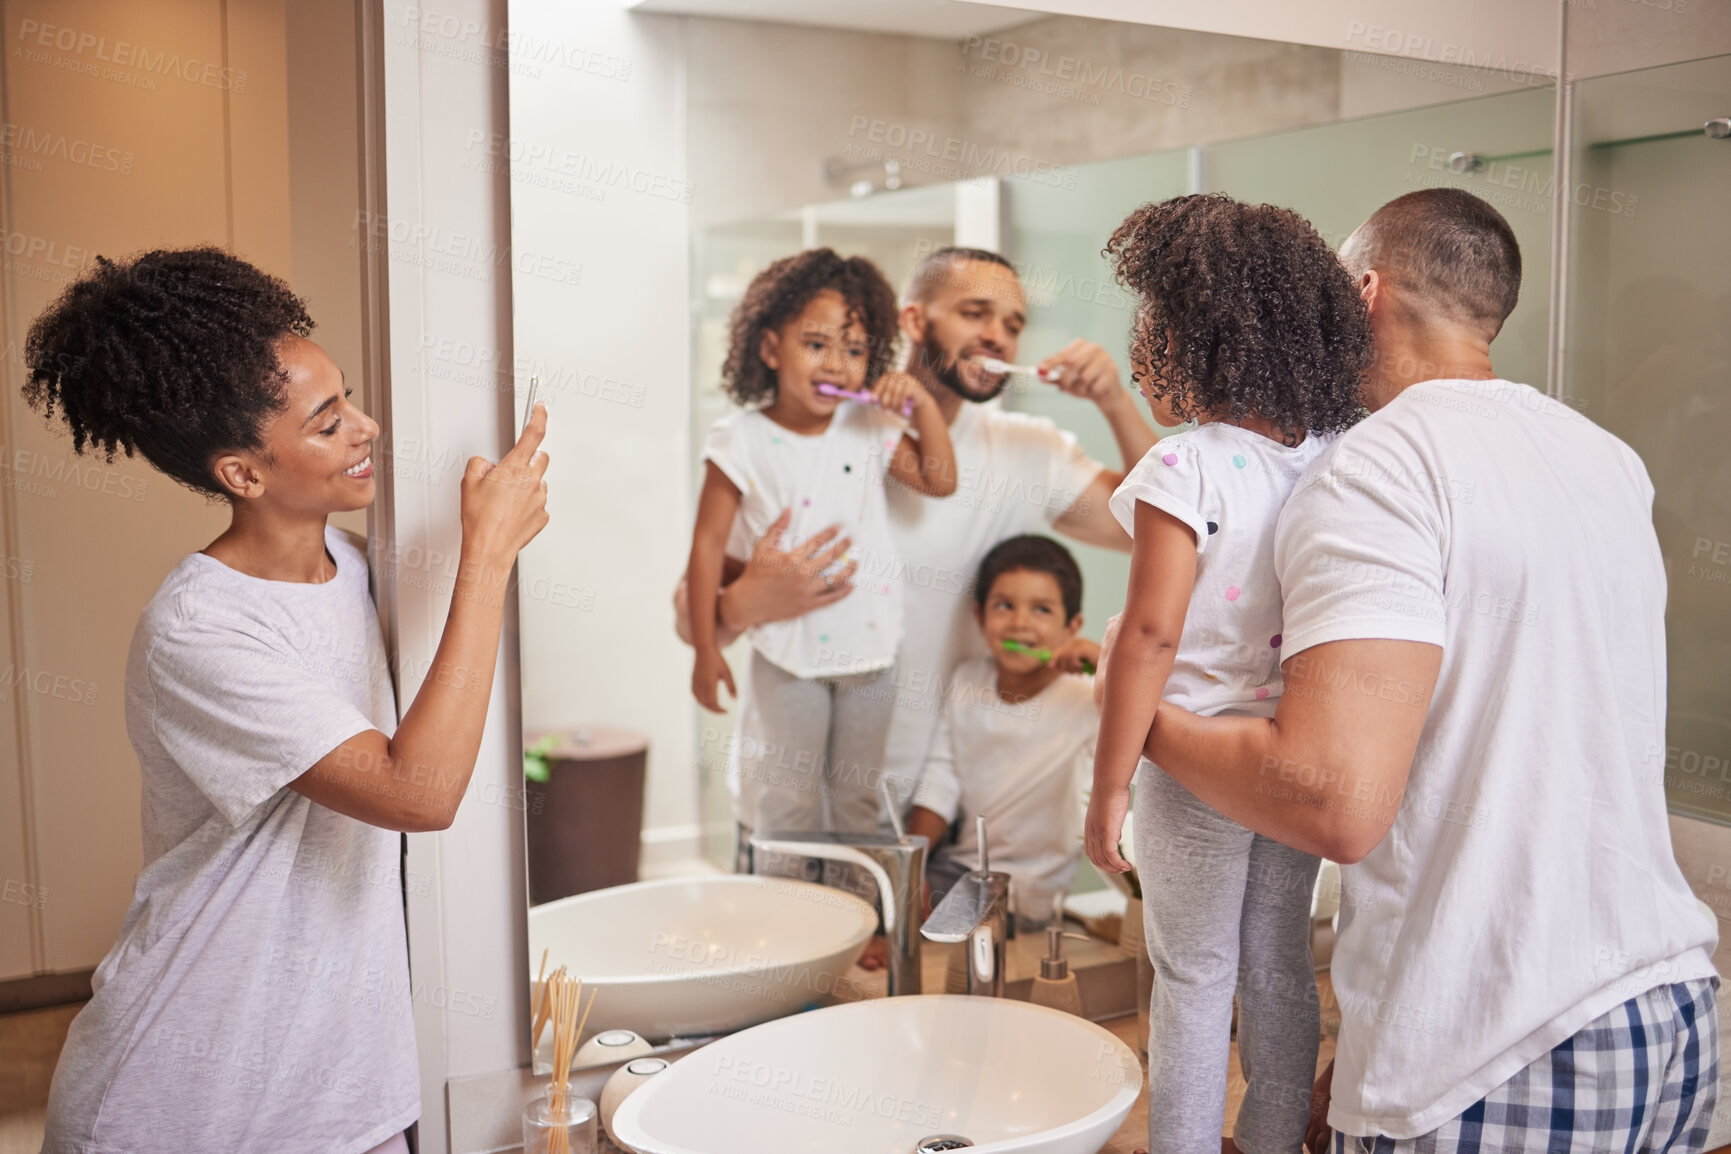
column 833, row 478
column 1228, row 485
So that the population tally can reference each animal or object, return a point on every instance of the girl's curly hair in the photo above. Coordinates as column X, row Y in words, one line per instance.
column 1245, row 312
column 171, row 354
column 780, row 292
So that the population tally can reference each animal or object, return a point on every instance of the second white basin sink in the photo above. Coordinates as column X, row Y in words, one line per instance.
column 689, row 956
column 880, row 1077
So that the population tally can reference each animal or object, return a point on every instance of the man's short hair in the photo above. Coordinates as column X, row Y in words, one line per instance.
column 1038, row 554
column 1448, row 248
column 935, row 268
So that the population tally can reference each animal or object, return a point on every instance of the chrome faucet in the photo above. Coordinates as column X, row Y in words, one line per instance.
column 976, row 911
column 896, row 862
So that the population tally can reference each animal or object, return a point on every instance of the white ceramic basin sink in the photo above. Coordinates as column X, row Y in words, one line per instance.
column 877, row 1077
column 690, row 956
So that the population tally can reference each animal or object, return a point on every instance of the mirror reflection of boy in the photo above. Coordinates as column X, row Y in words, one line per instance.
column 1016, row 740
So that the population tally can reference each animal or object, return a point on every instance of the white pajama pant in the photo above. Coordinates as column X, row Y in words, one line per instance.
column 811, row 751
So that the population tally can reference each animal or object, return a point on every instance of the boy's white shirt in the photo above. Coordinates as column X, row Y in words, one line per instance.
column 1024, row 766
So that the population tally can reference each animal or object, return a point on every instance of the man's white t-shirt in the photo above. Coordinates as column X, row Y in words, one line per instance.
column 1527, row 885
column 258, row 997
column 1227, row 485
column 1016, row 474
column 836, row 477
column 1024, row 766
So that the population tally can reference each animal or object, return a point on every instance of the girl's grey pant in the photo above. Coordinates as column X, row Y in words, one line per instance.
column 811, row 752
column 1224, row 910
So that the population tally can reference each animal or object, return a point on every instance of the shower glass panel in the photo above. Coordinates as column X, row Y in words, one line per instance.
column 1056, row 233
column 1647, row 343
column 1338, row 174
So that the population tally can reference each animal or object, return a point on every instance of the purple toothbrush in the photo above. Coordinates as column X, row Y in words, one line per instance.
column 862, row 395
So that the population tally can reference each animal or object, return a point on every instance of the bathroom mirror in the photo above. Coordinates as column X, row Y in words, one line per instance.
column 662, row 157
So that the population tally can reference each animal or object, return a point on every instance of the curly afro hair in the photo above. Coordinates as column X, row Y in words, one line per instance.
column 1245, row 312
column 780, row 292
column 171, row 354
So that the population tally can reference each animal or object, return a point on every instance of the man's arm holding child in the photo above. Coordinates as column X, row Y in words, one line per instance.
column 775, row 585
column 1326, row 774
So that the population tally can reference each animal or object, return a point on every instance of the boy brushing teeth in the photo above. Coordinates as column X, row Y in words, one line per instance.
column 1016, row 741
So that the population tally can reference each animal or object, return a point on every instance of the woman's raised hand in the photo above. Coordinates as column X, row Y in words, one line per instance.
column 505, row 505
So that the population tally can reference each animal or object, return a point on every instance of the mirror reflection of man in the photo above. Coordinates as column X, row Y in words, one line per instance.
column 1017, row 474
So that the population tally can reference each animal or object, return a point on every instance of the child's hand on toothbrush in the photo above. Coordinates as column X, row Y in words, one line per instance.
column 899, row 393
column 1078, row 655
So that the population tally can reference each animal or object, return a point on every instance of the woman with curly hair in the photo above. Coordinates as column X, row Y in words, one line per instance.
column 258, row 997
column 1247, row 325
column 826, row 427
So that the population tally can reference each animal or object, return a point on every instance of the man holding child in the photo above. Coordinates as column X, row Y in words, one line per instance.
column 1521, row 965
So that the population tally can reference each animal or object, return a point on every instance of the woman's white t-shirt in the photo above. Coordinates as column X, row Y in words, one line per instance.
column 258, row 997
column 833, row 478
column 1228, row 485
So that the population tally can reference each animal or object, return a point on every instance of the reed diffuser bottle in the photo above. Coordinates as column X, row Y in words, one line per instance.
column 558, row 1122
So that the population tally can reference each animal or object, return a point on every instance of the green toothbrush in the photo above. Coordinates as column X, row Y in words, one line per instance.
column 1042, row 654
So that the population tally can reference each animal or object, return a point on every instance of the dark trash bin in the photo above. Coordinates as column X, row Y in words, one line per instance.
column 585, row 823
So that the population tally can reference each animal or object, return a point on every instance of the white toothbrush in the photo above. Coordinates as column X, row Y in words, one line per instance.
column 994, row 365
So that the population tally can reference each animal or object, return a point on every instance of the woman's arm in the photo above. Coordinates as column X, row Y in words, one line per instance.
column 1162, row 576
column 926, row 465
column 414, row 781
column 716, row 506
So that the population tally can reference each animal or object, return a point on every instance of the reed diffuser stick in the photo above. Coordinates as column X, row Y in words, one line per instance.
column 566, row 994
column 536, row 1018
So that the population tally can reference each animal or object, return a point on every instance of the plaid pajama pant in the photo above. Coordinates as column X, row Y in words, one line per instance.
column 1642, row 1078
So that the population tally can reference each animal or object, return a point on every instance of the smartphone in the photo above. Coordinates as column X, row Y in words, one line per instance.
column 529, row 409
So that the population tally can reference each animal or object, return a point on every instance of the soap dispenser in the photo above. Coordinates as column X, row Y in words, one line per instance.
column 1056, row 986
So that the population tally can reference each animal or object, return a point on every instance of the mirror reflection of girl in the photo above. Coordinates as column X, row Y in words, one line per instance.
column 816, row 704
column 1248, row 325
column 258, row 997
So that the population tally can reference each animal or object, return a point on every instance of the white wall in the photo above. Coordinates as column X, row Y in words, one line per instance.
column 602, row 184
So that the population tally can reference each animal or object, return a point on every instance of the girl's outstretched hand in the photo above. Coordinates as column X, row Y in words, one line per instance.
column 708, row 673
column 1104, row 827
